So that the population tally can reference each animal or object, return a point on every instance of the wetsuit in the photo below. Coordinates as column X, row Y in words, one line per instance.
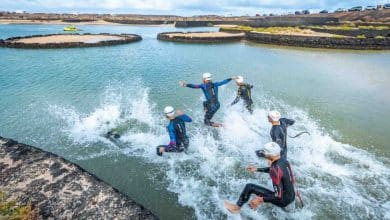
column 210, row 91
column 177, row 133
column 244, row 92
column 282, row 180
column 279, row 135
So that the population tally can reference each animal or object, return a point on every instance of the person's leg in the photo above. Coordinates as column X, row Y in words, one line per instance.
column 252, row 189
column 211, row 112
column 249, row 106
column 186, row 143
column 207, row 117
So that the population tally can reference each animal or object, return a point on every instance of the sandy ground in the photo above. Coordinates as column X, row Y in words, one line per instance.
column 68, row 39
column 309, row 33
column 206, row 34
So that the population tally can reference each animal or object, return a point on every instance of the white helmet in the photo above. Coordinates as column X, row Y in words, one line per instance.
column 240, row 79
column 270, row 149
column 169, row 111
column 206, row 76
column 274, row 115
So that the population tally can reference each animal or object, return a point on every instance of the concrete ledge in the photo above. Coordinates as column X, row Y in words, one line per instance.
column 17, row 42
column 59, row 189
column 200, row 37
column 320, row 42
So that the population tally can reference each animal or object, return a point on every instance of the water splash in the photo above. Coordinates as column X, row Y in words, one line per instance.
column 336, row 180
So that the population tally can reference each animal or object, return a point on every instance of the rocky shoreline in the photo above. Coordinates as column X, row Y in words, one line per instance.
column 59, row 189
column 329, row 42
column 14, row 42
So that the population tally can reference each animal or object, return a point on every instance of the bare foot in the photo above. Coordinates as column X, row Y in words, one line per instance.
column 231, row 207
column 217, row 125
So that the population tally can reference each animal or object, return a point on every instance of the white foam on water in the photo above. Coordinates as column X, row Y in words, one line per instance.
column 336, row 180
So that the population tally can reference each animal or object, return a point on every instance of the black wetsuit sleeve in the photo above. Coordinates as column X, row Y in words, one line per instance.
column 264, row 169
column 235, row 100
column 288, row 122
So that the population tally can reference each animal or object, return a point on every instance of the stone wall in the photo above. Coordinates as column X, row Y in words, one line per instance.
column 285, row 21
column 59, row 189
column 320, row 42
column 278, row 21
column 165, row 37
column 10, row 42
column 355, row 32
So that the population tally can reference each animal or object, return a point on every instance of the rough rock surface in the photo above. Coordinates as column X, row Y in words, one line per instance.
column 200, row 37
column 60, row 189
column 320, row 42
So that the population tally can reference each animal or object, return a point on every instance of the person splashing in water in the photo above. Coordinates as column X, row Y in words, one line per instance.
column 210, row 90
column 244, row 93
column 177, row 131
column 279, row 130
column 282, row 180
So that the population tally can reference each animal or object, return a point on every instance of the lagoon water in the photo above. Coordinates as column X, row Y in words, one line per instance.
column 64, row 100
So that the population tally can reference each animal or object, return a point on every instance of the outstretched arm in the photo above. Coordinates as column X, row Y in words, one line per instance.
column 264, row 170
column 185, row 118
column 235, row 100
column 223, row 82
column 237, row 97
column 189, row 85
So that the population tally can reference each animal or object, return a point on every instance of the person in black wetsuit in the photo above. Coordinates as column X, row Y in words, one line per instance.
column 282, row 180
column 210, row 91
column 279, row 130
column 244, row 93
column 177, row 131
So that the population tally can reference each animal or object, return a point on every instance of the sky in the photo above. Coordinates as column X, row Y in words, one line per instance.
column 181, row 7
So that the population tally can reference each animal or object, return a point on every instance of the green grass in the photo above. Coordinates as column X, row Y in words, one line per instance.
column 379, row 37
column 361, row 36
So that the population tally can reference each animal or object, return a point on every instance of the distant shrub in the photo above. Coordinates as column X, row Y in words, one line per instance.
column 379, row 37
column 345, row 28
column 361, row 36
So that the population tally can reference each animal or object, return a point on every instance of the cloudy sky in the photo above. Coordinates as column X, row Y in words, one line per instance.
column 181, row 7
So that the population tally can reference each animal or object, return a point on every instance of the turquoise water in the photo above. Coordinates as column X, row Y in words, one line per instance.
column 63, row 100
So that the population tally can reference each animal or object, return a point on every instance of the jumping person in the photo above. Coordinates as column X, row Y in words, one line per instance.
column 177, row 131
column 279, row 130
column 244, row 93
column 282, row 180
column 210, row 90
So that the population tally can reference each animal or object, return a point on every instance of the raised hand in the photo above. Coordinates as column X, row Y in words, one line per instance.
column 251, row 168
column 179, row 112
column 182, row 83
